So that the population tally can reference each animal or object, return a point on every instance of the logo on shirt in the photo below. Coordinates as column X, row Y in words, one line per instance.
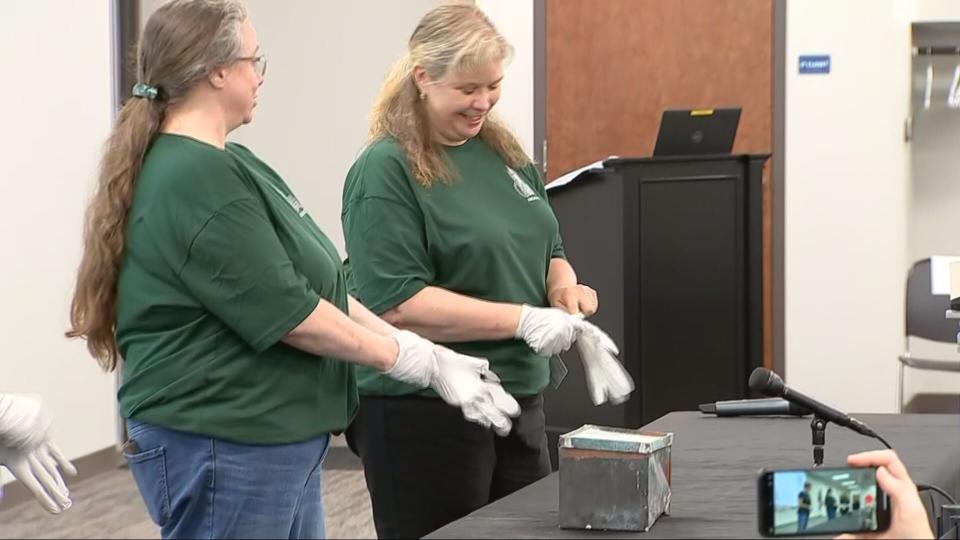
column 521, row 187
column 292, row 201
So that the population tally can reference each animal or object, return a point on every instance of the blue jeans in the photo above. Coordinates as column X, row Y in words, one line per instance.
column 802, row 519
column 196, row 486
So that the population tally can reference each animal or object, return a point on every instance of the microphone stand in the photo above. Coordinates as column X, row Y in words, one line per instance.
column 819, row 428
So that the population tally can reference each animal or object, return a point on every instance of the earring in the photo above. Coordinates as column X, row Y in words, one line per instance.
column 423, row 96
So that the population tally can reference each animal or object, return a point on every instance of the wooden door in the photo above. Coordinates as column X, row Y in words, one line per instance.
column 612, row 67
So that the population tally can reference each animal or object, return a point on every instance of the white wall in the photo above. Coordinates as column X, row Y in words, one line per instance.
column 846, row 200
column 324, row 71
column 326, row 61
column 514, row 19
column 936, row 10
column 56, row 99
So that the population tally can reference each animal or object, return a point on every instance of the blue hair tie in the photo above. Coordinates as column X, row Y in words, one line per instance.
column 144, row 90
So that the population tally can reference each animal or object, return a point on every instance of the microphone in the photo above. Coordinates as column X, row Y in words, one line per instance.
column 754, row 407
column 766, row 382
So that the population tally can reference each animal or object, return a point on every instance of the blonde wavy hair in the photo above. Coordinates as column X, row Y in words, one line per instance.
column 183, row 41
column 451, row 38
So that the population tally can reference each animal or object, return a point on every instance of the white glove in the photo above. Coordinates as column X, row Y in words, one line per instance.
column 38, row 471
column 24, row 423
column 467, row 382
column 548, row 331
column 460, row 380
column 606, row 377
column 416, row 363
column 26, row 450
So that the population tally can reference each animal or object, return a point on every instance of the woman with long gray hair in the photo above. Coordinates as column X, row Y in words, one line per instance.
column 227, row 305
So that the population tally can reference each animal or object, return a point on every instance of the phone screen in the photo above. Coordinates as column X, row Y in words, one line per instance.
column 821, row 501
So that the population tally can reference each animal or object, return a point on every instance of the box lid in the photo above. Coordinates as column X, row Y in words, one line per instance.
column 634, row 441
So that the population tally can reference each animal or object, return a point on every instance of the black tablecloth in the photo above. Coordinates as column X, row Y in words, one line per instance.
column 715, row 466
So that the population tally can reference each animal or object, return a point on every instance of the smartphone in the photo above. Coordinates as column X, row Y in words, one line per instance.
column 822, row 500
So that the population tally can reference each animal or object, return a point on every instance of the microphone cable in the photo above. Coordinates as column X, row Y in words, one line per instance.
column 943, row 493
column 882, row 440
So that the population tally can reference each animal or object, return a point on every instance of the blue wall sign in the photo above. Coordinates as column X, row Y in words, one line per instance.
column 814, row 63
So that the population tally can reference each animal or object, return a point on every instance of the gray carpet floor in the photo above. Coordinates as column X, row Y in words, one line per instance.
column 108, row 505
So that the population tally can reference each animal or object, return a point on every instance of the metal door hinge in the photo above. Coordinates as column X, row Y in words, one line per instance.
column 543, row 165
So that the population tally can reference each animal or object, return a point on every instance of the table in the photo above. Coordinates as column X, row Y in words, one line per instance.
column 715, row 465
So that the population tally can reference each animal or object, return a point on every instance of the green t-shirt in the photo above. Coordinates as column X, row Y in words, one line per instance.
column 488, row 235
column 220, row 262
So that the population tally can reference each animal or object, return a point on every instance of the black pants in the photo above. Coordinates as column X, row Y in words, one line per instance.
column 427, row 466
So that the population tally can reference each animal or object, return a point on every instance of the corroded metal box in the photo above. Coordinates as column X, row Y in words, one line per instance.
column 614, row 479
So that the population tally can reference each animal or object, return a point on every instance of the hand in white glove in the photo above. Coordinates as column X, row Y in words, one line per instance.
column 26, row 450
column 460, row 380
column 468, row 382
column 24, row 423
column 416, row 363
column 38, row 471
column 548, row 331
column 607, row 380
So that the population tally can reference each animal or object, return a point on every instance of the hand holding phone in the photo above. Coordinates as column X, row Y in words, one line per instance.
column 908, row 517
column 800, row 502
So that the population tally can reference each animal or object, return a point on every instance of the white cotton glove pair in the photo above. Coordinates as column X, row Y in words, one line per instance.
column 607, row 380
column 550, row 331
column 27, row 451
column 460, row 380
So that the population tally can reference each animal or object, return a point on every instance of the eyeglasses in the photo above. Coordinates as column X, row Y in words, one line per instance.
column 259, row 63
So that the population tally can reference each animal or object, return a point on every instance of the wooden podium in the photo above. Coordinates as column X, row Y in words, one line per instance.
column 673, row 246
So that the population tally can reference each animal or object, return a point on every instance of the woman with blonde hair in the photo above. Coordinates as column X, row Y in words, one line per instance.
column 225, row 302
column 449, row 234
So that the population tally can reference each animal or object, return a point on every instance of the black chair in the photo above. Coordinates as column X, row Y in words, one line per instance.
column 931, row 339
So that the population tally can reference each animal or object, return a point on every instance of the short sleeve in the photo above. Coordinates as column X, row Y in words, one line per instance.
column 387, row 252
column 237, row 268
column 383, row 227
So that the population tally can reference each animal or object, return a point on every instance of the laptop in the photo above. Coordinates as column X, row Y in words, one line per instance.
column 686, row 132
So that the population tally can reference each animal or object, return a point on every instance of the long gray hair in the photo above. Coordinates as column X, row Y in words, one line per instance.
column 184, row 40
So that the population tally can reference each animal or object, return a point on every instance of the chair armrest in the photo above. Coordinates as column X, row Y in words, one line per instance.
column 930, row 364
